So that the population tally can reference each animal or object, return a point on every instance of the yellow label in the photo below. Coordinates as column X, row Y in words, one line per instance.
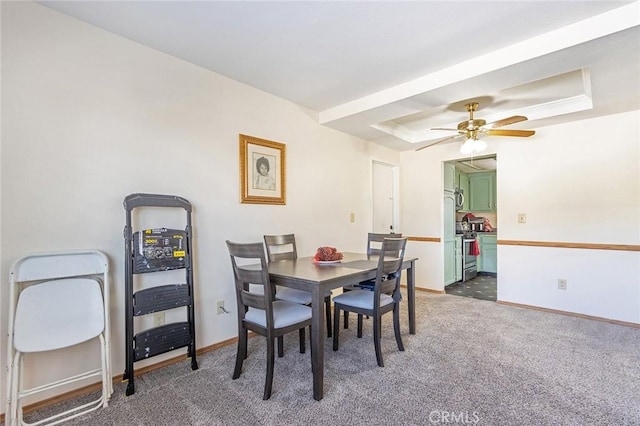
column 180, row 253
column 150, row 241
column 147, row 231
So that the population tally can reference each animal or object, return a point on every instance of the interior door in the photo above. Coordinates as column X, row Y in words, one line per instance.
column 384, row 200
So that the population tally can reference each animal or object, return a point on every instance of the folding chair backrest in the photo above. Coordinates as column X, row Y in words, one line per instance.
column 58, row 314
column 48, row 266
column 84, row 276
column 281, row 247
column 57, row 300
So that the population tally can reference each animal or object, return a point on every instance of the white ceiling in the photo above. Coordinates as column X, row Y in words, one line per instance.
column 390, row 71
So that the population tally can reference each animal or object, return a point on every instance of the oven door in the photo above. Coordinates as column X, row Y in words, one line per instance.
column 469, row 260
column 468, row 257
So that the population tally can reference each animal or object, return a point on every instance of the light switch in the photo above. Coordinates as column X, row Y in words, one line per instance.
column 522, row 218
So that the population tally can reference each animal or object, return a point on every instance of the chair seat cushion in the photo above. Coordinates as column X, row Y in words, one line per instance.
column 361, row 299
column 284, row 314
column 297, row 296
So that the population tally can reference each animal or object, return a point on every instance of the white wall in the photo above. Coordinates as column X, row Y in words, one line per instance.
column 577, row 183
column 89, row 117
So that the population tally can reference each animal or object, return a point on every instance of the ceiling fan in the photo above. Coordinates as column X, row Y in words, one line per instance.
column 474, row 128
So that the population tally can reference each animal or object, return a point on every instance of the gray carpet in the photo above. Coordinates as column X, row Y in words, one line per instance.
column 472, row 362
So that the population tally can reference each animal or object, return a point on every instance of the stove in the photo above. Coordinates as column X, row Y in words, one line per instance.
column 469, row 260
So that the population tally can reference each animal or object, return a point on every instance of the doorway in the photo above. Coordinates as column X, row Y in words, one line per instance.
column 472, row 182
column 384, row 199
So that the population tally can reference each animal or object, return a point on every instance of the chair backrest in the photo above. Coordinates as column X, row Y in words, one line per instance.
column 46, row 266
column 281, row 247
column 58, row 314
column 250, row 267
column 58, row 300
column 390, row 267
column 70, row 289
column 374, row 242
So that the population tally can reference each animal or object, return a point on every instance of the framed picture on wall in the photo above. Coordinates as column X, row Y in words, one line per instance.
column 262, row 171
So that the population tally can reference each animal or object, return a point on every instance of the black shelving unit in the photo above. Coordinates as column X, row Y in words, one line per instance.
column 149, row 251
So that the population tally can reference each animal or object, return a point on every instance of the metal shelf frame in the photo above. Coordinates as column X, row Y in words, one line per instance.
column 149, row 251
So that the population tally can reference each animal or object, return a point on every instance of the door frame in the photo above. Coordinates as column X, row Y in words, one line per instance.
column 488, row 155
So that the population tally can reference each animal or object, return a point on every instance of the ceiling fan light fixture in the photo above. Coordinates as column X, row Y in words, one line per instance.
column 467, row 147
column 480, row 145
column 472, row 146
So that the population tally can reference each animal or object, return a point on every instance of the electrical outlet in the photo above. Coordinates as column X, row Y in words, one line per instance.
column 522, row 218
column 220, row 307
column 562, row 284
column 158, row 319
column 352, row 217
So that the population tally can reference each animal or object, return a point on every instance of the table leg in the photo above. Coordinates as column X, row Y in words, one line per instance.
column 411, row 293
column 317, row 347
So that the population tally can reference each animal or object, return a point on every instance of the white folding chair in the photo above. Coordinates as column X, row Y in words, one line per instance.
column 57, row 300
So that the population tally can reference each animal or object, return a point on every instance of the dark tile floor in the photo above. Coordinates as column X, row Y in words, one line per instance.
column 481, row 287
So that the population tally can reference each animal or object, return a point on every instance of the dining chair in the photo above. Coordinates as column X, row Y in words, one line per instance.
column 384, row 298
column 374, row 245
column 57, row 301
column 283, row 247
column 259, row 311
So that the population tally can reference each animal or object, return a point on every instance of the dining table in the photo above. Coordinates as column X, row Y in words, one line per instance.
column 317, row 277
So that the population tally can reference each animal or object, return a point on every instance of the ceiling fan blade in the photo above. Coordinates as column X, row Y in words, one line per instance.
column 443, row 128
column 519, row 133
column 506, row 121
column 440, row 141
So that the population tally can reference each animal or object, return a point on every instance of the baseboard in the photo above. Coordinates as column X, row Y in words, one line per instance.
column 426, row 290
column 571, row 314
column 429, row 290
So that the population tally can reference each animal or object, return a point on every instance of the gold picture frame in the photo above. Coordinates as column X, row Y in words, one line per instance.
column 262, row 171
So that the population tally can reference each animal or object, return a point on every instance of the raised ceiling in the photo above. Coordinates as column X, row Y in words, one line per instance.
column 390, row 71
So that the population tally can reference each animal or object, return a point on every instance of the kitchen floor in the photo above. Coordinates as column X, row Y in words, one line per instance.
column 482, row 287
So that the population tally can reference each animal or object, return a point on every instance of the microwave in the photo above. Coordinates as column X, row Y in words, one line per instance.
column 459, row 197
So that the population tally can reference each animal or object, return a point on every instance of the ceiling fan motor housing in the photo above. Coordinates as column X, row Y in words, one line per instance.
column 473, row 124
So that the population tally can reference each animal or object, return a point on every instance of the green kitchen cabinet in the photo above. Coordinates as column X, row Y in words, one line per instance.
column 449, row 177
column 488, row 259
column 449, row 235
column 482, row 192
column 458, row 258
